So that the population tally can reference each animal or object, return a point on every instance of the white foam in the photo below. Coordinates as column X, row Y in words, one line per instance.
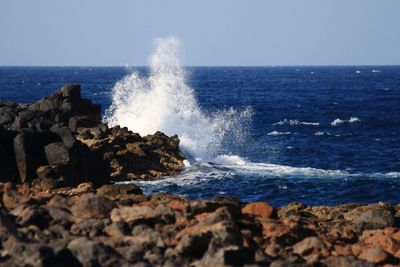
column 229, row 160
column 338, row 122
column 164, row 102
column 278, row 133
column 295, row 122
column 376, row 71
column 354, row 119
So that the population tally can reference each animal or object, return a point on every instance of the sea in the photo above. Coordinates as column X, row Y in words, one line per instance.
column 315, row 135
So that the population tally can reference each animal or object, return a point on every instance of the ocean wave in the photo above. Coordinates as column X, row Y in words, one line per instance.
column 322, row 133
column 295, row 122
column 225, row 167
column 338, row 122
column 278, row 133
column 376, row 71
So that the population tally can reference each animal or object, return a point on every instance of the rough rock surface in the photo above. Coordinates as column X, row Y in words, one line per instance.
column 116, row 225
column 61, row 141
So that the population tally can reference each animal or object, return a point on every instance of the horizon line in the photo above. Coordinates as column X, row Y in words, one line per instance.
column 193, row 66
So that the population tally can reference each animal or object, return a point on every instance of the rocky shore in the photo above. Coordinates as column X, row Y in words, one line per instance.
column 59, row 207
column 61, row 141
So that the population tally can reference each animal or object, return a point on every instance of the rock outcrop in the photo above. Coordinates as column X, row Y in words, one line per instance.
column 116, row 225
column 61, row 141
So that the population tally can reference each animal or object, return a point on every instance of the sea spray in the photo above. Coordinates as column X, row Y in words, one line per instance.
column 164, row 102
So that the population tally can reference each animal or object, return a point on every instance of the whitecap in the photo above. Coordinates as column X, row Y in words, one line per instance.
column 354, row 119
column 338, row 122
column 295, row 122
column 278, row 133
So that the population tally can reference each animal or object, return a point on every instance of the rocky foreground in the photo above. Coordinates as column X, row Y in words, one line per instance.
column 59, row 207
column 116, row 225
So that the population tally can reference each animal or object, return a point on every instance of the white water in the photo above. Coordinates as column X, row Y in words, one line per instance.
column 164, row 102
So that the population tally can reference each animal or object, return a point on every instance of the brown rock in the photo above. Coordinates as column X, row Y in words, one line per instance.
column 92, row 207
column 115, row 190
column 384, row 239
column 136, row 213
column 374, row 219
column 260, row 209
column 375, row 255
column 11, row 199
column 311, row 248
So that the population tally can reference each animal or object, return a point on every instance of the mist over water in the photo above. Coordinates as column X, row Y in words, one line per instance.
column 163, row 101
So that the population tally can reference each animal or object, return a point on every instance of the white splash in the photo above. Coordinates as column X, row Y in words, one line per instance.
column 164, row 102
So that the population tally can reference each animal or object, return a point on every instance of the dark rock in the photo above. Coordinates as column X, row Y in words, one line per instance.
column 89, row 227
column 28, row 215
column 22, row 119
column 72, row 91
column 7, row 115
column 117, row 229
column 227, row 256
column 7, row 225
column 60, row 214
column 93, row 207
column 46, row 184
column 29, row 254
column 115, row 190
column 81, row 122
column 93, row 253
column 12, row 199
column 349, row 261
column 194, row 245
column 374, row 219
column 8, row 168
column 66, row 136
column 57, row 154
column 311, row 248
column 24, row 159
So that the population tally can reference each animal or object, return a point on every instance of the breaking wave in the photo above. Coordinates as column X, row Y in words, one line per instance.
column 163, row 101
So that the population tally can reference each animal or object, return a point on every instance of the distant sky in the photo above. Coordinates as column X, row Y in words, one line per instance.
column 212, row 32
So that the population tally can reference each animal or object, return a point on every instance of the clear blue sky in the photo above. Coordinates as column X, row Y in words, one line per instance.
column 213, row 32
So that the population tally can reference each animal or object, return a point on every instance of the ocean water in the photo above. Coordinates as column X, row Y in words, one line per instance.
column 316, row 135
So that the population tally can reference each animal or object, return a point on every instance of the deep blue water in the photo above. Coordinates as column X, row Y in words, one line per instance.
column 294, row 150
